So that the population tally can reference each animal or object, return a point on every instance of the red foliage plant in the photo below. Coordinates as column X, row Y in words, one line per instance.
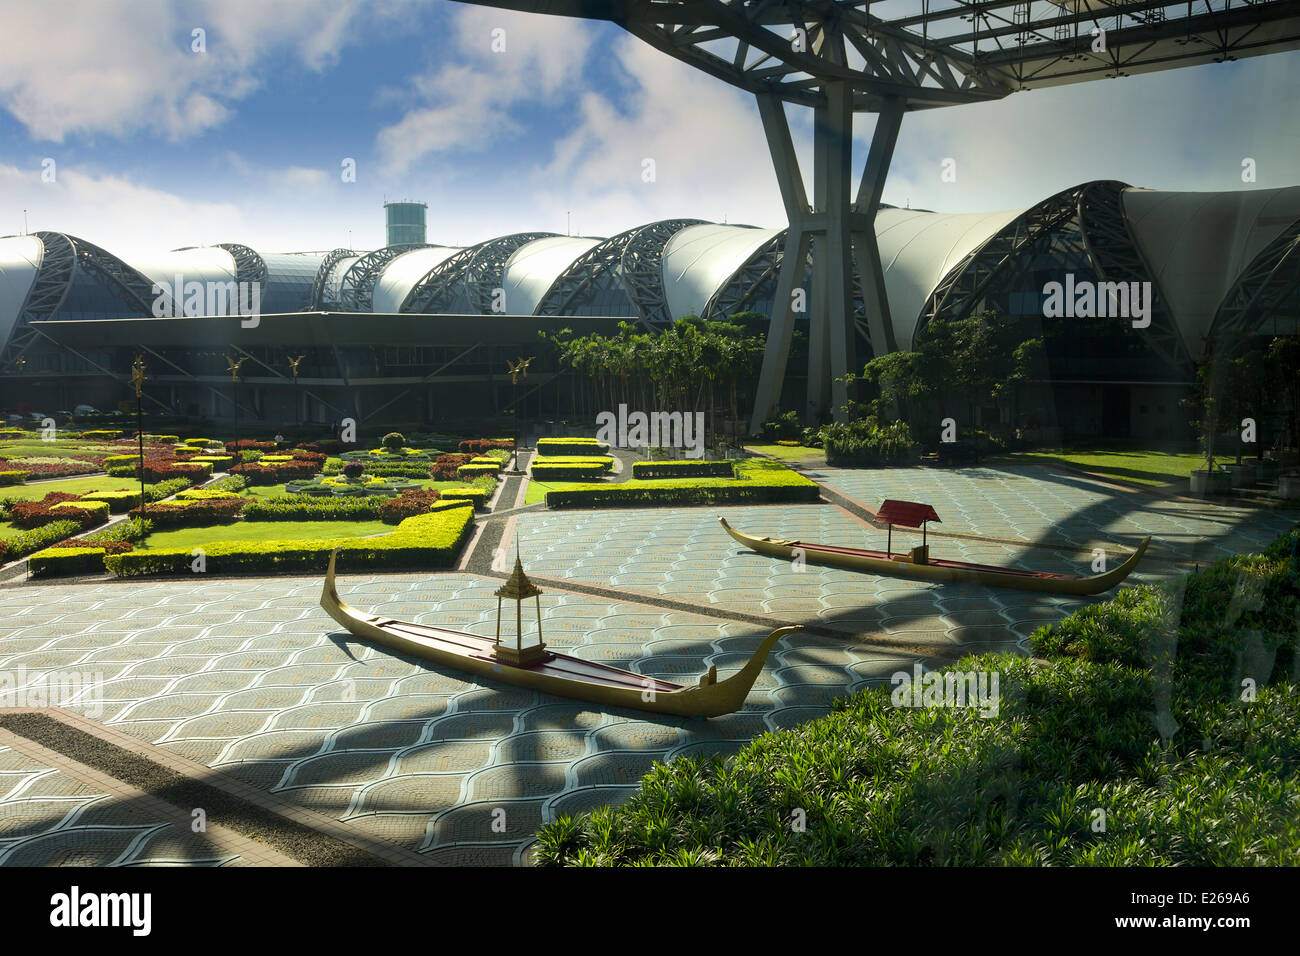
column 444, row 466
column 37, row 514
column 412, row 502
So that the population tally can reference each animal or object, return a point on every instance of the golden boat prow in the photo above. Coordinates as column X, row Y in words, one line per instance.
column 558, row 674
column 876, row 562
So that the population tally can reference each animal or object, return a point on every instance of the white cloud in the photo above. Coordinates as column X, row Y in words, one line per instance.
column 84, row 66
column 468, row 105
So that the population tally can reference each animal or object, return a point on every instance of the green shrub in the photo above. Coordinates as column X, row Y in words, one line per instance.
column 218, row 462
column 98, row 509
column 165, row 489
column 866, row 443
column 13, row 477
column 570, row 446
column 234, row 483
column 651, row 470
column 34, row 539
column 205, row 494
column 101, row 435
column 394, row 441
column 425, row 541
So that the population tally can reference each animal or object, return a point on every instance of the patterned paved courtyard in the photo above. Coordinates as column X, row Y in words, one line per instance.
column 251, row 679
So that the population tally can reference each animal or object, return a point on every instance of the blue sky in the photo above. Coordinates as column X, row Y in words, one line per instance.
column 156, row 146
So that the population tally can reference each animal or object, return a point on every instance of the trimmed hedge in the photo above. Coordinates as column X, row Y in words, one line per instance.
column 652, row 470
column 474, row 469
column 756, row 480
column 58, row 507
column 567, row 471
column 119, row 502
column 97, row 509
column 13, row 477
column 61, row 560
column 570, row 446
column 425, row 541
column 478, row 496
column 304, row 508
column 408, row 504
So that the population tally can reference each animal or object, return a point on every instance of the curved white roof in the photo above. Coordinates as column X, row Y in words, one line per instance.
column 698, row 259
column 1197, row 244
column 203, row 264
column 401, row 275
column 917, row 249
column 334, row 281
column 534, row 266
column 20, row 260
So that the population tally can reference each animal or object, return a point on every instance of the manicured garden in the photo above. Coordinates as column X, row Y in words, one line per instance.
column 1158, row 728
column 277, row 507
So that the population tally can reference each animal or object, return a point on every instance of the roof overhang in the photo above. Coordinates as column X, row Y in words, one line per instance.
column 321, row 329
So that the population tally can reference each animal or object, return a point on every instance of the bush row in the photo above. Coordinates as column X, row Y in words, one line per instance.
column 13, row 477
column 303, row 508
column 570, row 446
column 192, row 514
column 567, row 471
column 756, row 479
column 23, row 544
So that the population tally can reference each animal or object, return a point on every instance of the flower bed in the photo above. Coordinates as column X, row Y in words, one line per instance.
column 245, row 444
column 424, row 541
column 342, row 486
column 651, row 470
column 570, row 446
column 476, row 446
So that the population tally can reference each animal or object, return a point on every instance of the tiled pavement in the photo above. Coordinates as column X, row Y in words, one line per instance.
column 251, row 678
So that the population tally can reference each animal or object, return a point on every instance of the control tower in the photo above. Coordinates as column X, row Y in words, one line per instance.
column 405, row 222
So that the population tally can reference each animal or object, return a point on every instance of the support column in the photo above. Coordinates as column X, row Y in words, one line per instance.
column 867, row 252
column 839, row 231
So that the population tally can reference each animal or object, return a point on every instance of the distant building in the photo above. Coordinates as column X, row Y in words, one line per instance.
column 445, row 318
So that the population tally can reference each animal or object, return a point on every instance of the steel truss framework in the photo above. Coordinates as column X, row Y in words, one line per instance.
column 641, row 268
column 600, row 269
column 431, row 293
column 1272, row 276
column 357, row 287
column 1092, row 214
column 937, row 52
column 320, row 286
column 485, row 272
column 249, row 266
column 1116, row 256
column 839, row 57
column 62, row 255
column 757, row 277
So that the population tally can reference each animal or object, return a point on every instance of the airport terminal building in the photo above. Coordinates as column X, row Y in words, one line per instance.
column 416, row 331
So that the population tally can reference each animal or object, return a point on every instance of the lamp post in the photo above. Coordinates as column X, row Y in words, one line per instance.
column 517, row 368
column 297, row 398
column 137, row 378
column 234, row 376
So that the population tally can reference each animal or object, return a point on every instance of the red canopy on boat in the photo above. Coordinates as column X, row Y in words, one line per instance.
column 909, row 514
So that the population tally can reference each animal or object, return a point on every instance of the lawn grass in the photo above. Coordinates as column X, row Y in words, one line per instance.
column 7, row 530
column 263, row 530
column 786, row 452
column 1138, row 466
column 79, row 486
column 537, row 489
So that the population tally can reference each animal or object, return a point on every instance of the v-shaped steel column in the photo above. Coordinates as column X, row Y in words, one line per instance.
column 838, row 230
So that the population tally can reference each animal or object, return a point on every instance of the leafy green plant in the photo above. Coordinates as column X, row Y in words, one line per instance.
column 394, row 441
